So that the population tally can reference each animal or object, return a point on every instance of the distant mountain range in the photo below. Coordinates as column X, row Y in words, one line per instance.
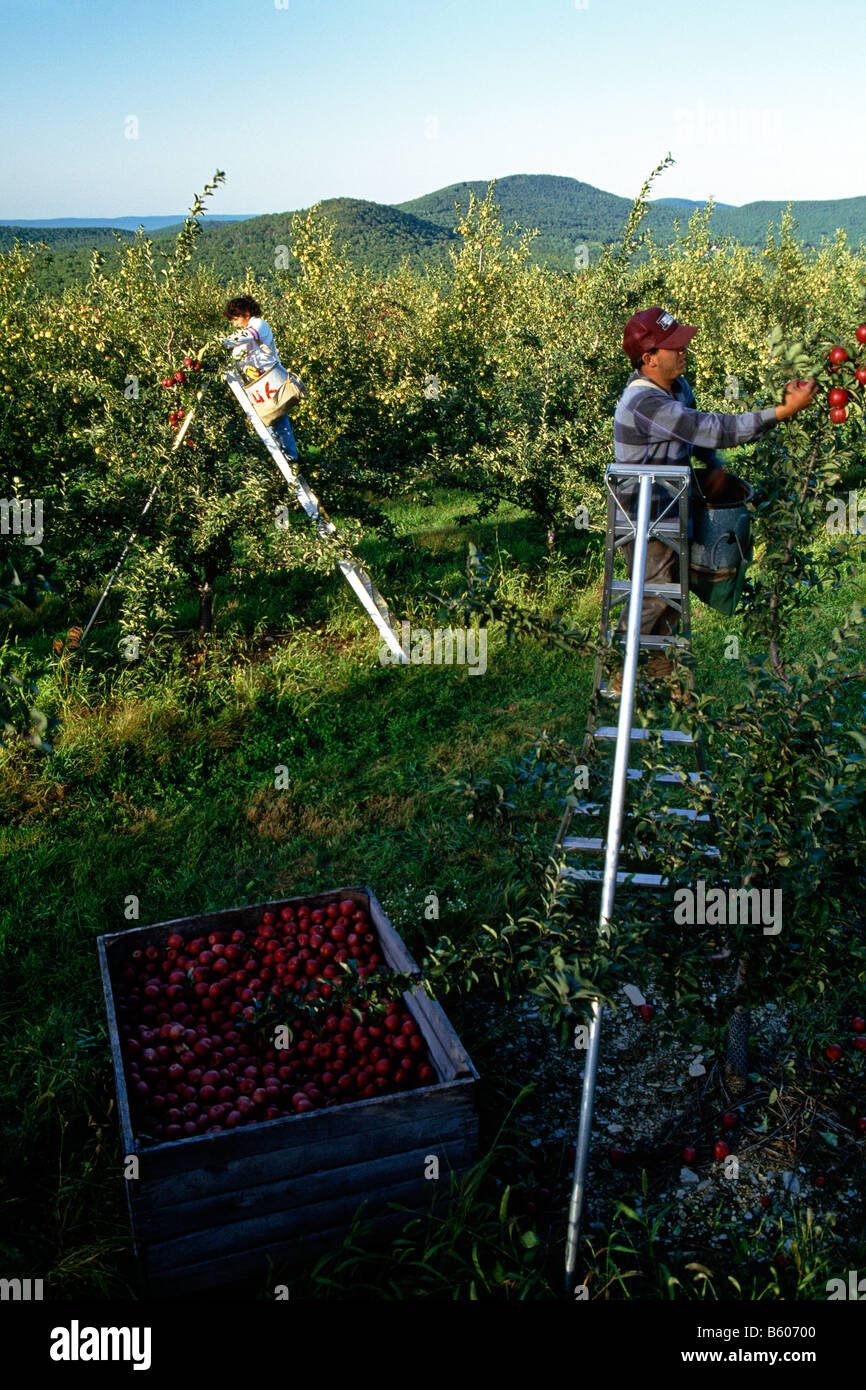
column 567, row 213
column 128, row 224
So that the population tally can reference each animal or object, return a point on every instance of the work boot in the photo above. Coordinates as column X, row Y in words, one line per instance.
column 658, row 667
column 681, row 695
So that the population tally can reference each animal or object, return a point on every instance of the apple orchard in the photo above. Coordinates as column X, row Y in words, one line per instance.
column 153, row 776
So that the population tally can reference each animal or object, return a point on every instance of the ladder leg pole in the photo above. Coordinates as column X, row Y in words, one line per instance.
column 626, row 707
column 614, row 835
column 188, row 418
column 357, row 578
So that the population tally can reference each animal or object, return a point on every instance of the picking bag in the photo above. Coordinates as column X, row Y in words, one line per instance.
column 721, row 548
column 275, row 393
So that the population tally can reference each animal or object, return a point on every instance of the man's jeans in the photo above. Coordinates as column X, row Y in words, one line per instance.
column 662, row 561
column 662, row 567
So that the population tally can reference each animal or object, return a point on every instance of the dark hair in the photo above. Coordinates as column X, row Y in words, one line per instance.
column 637, row 362
column 244, row 304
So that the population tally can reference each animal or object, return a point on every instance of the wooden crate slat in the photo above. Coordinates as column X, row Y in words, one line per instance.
column 287, row 1192
column 295, row 1133
column 455, row 1061
column 282, row 1225
column 285, row 1256
column 393, row 948
column 439, row 1125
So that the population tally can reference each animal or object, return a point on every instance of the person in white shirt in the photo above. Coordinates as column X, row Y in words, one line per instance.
column 253, row 346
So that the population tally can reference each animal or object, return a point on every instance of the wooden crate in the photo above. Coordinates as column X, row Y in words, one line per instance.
column 215, row 1208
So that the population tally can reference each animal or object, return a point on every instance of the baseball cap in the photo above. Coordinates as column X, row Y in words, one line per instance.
column 654, row 328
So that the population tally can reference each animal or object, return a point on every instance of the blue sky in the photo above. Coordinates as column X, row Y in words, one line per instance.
column 299, row 100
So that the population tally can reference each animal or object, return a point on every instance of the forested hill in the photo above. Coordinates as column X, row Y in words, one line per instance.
column 373, row 234
column 66, row 257
column 568, row 214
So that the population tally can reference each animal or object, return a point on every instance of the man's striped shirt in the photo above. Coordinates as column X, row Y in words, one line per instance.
column 652, row 425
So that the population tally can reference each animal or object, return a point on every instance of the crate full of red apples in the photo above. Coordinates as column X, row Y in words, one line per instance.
column 275, row 1068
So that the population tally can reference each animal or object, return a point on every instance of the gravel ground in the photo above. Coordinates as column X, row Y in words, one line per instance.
column 654, row 1096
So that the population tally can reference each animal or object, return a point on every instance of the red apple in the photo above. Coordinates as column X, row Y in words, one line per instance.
column 721, row 1149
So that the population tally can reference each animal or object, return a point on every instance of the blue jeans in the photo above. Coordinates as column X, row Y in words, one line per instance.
column 285, row 436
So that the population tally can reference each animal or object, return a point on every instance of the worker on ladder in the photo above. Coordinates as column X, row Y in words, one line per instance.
column 656, row 421
column 253, row 346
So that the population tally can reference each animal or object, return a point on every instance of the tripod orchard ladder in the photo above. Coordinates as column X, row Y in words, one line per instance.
column 671, row 526
column 356, row 577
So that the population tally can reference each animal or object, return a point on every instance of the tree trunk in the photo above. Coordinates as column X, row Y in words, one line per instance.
column 205, row 606
column 551, row 538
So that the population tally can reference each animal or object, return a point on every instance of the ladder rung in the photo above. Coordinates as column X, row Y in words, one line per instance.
column 594, row 808
column 663, row 527
column 623, row 586
column 651, row 641
column 633, row 880
column 593, row 845
column 677, row 471
column 609, row 733
column 674, row 777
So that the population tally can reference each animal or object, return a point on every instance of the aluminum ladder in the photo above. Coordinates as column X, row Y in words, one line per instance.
column 671, row 526
column 356, row 577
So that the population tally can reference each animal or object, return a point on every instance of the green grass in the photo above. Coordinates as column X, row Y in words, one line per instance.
column 161, row 789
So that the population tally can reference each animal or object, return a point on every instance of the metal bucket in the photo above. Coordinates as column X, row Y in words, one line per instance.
column 721, row 545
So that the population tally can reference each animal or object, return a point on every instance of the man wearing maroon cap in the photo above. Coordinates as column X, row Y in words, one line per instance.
column 656, row 421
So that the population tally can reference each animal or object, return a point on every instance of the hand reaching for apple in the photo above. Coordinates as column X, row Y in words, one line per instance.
column 798, row 394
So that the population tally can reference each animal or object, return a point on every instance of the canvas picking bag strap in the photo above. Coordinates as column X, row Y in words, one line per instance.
column 291, row 393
